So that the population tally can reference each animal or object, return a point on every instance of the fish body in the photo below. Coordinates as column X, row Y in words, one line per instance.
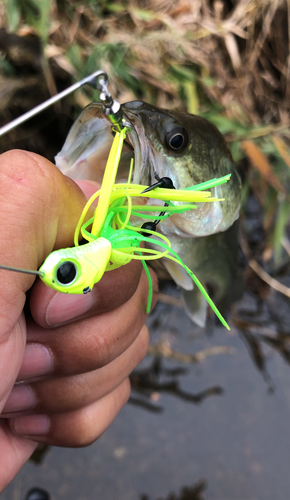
column 190, row 150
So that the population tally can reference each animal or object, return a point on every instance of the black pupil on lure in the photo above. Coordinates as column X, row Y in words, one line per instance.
column 177, row 139
column 66, row 273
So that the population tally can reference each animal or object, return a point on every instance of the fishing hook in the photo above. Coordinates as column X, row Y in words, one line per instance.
column 163, row 182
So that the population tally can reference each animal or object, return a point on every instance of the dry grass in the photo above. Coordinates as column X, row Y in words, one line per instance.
column 236, row 51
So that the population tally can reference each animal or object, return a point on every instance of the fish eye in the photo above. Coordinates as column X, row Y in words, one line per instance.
column 66, row 273
column 177, row 139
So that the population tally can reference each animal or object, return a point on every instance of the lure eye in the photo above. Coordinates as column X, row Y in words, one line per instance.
column 177, row 139
column 66, row 273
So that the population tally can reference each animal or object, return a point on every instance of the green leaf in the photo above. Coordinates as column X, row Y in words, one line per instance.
column 144, row 15
column 280, row 227
column 74, row 54
column 7, row 67
column 44, row 21
column 191, row 97
column 13, row 14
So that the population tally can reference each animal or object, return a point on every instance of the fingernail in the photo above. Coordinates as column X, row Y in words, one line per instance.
column 37, row 361
column 21, row 398
column 31, row 425
column 64, row 307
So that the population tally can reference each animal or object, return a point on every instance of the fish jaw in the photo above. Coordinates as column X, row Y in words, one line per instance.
column 208, row 218
column 85, row 151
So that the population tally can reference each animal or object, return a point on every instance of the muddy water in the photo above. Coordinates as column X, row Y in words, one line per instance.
column 218, row 430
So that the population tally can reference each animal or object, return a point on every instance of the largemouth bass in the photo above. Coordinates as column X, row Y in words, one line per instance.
column 189, row 150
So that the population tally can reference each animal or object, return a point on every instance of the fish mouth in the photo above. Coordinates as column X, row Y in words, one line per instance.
column 85, row 153
column 137, row 139
column 87, row 147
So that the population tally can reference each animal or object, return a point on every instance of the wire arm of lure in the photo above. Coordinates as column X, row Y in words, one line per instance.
column 24, row 271
column 112, row 108
column 92, row 80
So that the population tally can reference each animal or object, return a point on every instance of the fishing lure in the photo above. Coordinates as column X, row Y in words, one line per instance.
column 113, row 240
column 113, row 236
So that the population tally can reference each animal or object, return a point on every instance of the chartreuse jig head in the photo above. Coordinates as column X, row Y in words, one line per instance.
column 76, row 270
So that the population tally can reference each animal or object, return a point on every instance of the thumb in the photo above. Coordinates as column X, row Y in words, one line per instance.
column 40, row 208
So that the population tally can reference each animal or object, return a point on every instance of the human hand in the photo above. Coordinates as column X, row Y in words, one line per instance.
column 71, row 355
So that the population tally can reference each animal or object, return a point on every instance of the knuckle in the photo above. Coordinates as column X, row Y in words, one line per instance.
column 22, row 168
column 100, row 349
column 28, row 187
